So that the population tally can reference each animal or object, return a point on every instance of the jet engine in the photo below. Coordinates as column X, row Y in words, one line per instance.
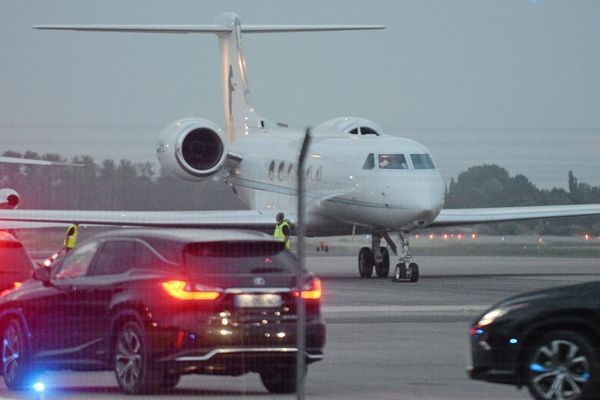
column 9, row 198
column 191, row 148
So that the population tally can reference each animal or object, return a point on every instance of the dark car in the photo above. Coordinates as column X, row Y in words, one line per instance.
column 15, row 263
column 153, row 305
column 548, row 340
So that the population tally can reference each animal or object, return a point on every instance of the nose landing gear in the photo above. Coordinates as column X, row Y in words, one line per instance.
column 406, row 270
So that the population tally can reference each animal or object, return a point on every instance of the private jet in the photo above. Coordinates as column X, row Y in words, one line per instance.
column 358, row 178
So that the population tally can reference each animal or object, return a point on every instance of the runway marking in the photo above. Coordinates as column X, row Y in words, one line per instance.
column 403, row 309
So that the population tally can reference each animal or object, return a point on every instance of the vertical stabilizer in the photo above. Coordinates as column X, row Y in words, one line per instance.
column 240, row 116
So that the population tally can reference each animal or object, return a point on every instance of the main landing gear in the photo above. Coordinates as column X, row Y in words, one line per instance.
column 378, row 257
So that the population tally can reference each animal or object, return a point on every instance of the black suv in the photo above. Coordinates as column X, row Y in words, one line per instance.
column 15, row 264
column 156, row 304
column 548, row 340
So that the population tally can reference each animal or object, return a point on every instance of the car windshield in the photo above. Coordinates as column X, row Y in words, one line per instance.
column 238, row 258
column 13, row 257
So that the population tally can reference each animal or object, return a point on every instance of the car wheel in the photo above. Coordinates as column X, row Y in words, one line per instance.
column 563, row 365
column 280, row 379
column 383, row 269
column 15, row 355
column 365, row 262
column 133, row 369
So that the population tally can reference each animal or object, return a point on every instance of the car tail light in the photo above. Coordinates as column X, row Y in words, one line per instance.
column 16, row 285
column 185, row 291
column 311, row 290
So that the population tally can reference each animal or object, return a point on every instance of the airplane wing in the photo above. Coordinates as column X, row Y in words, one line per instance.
column 467, row 216
column 29, row 161
column 263, row 220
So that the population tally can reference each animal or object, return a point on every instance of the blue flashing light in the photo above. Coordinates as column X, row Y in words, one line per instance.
column 479, row 331
column 585, row 377
column 192, row 336
column 513, row 341
column 39, row 387
column 537, row 368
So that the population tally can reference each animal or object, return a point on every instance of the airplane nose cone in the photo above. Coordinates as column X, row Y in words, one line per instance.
column 422, row 198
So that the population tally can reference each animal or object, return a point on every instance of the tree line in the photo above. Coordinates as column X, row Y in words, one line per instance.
column 492, row 186
column 131, row 186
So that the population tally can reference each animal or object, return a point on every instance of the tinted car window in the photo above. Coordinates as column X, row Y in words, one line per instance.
column 238, row 258
column 145, row 258
column 77, row 262
column 115, row 257
column 13, row 257
column 167, row 249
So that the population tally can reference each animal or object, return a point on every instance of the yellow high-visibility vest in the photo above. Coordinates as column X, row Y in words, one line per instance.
column 71, row 241
column 278, row 234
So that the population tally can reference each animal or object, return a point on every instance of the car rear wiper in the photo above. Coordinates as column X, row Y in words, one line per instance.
column 266, row 270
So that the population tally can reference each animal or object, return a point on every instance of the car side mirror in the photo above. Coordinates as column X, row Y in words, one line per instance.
column 42, row 275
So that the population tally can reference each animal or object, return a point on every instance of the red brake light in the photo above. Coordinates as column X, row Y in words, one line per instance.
column 16, row 285
column 312, row 290
column 184, row 291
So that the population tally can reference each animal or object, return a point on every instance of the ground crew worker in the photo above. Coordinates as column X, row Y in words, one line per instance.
column 70, row 238
column 282, row 230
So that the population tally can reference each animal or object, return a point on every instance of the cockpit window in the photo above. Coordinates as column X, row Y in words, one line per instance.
column 392, row 161
column 354, row 131
column 364, row 130
column 369, row 162
column 422, row 161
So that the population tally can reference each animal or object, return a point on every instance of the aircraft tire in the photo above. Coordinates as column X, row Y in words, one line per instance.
column 414, row 272
column 365, row 262
column 400, row 272
column 382, row 270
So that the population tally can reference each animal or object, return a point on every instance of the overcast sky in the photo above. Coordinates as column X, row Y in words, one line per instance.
column 510, row 82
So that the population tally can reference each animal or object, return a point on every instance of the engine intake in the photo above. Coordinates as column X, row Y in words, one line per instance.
column 191, row 149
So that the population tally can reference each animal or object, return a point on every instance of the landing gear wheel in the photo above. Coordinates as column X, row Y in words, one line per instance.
column 15, row 356
column 400, row 272
column 383, row 268
column 133, row 368
column 365, row 262
column 413, row 272
column 562, row 364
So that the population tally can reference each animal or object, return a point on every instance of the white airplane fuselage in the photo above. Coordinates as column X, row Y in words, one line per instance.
column 340, row 192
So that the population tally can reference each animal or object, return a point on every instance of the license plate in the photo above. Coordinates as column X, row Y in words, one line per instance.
column 258, row 300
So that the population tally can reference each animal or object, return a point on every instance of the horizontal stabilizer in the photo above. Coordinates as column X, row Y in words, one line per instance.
column 216, row 29
column 140, row 28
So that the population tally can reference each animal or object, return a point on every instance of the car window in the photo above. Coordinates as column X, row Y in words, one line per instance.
column 116, row 257
column 76, row 263
column 238, row 258
column 144, row 257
